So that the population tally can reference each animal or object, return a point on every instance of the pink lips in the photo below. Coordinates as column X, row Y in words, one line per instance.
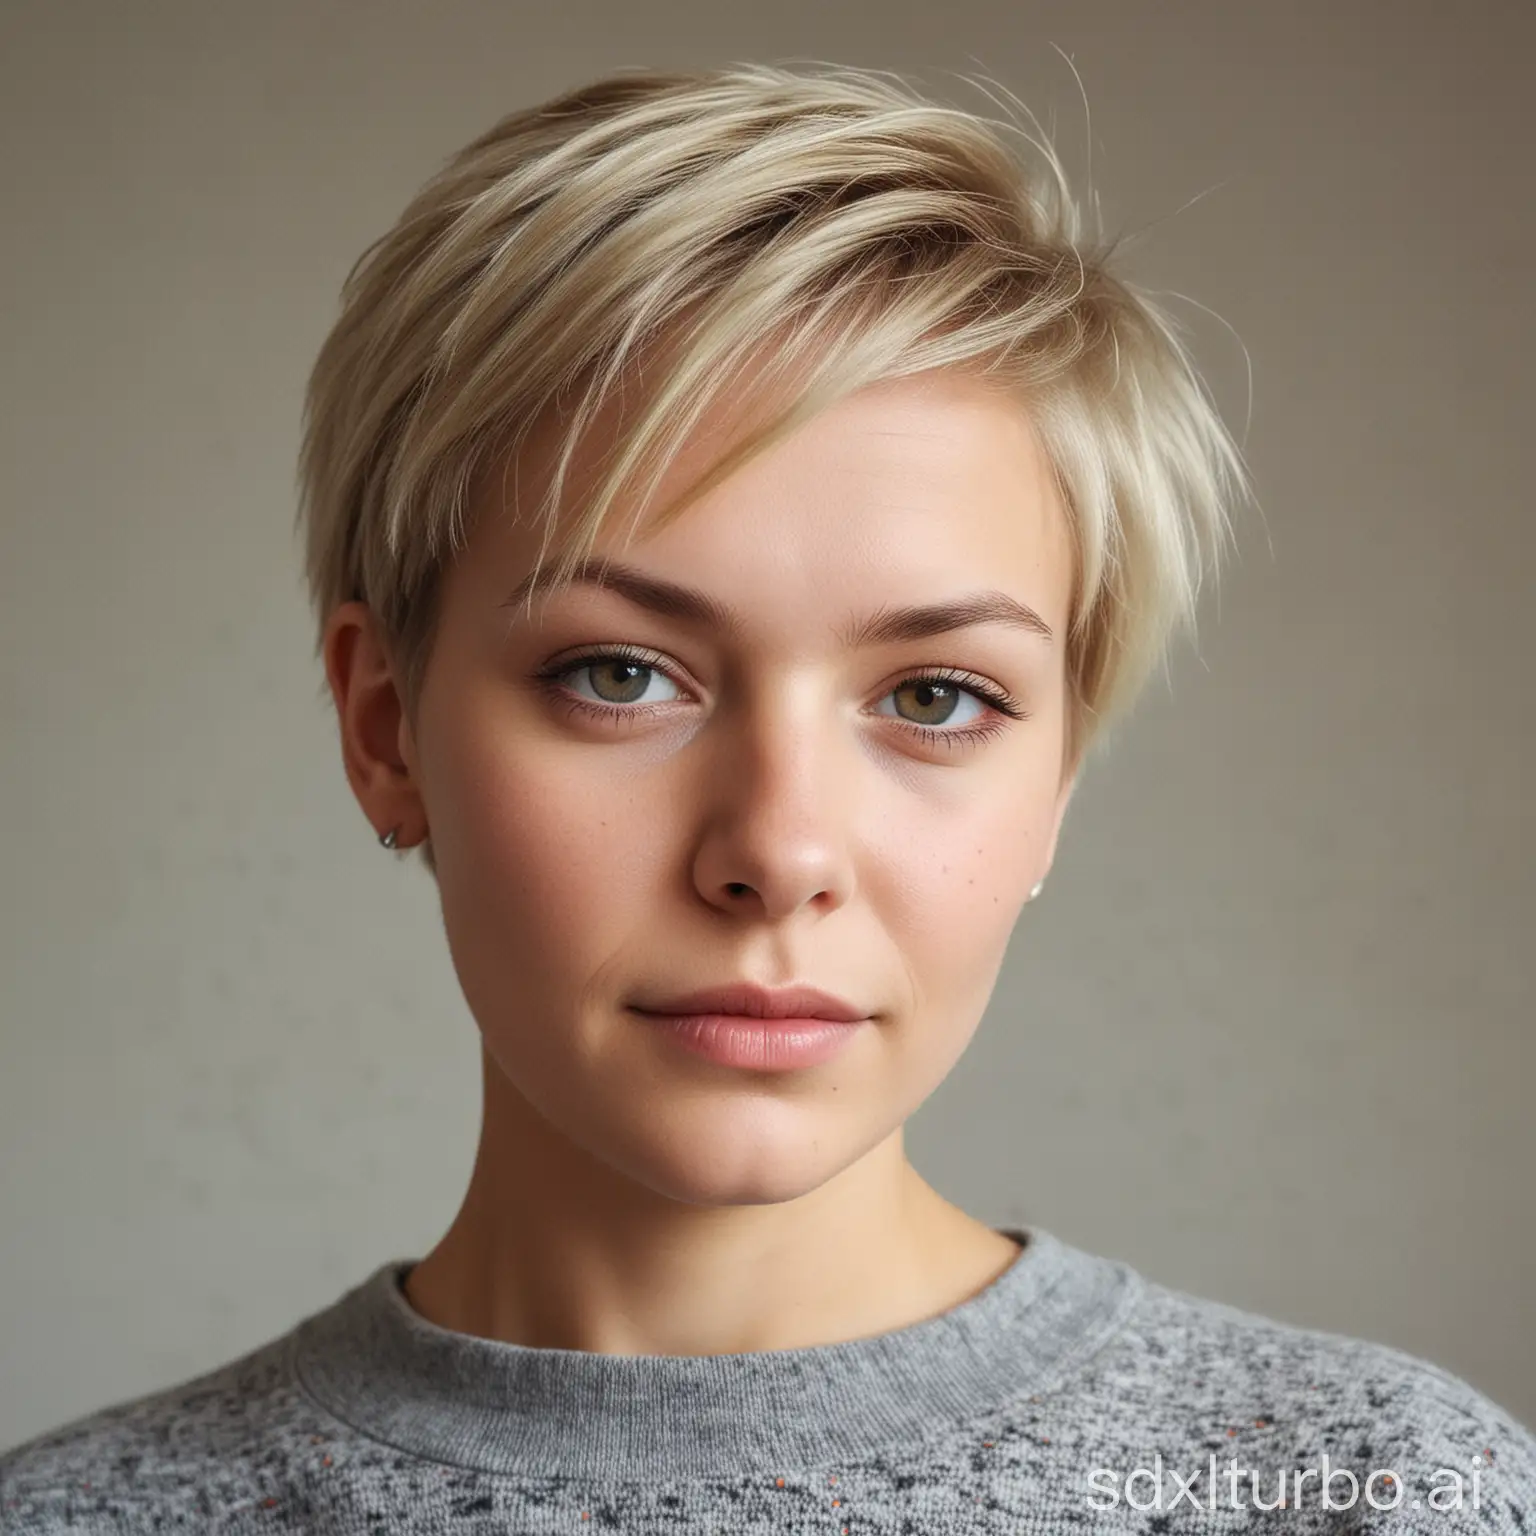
column 754, row 1002
column 762, row 1045
column 759, row 1028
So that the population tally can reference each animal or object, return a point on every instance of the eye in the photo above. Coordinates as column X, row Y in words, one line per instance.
column 936, row 700
column 619, row 678
column 938, row 694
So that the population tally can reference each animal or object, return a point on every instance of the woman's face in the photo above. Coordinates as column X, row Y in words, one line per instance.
column 750, row 794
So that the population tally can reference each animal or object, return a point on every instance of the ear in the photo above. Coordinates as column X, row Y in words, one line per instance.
column 378, row 752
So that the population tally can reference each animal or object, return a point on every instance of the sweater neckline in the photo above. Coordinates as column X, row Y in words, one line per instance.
column 375, row 1362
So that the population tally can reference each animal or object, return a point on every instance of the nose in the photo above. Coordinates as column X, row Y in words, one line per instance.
column 775, row 829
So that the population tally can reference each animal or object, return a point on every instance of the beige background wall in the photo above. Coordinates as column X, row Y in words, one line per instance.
column 1268, row 1034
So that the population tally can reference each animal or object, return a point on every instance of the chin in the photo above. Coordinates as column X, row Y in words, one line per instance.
column 760, row 1170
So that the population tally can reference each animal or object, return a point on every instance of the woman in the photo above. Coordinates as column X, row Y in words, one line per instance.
column 735, row 505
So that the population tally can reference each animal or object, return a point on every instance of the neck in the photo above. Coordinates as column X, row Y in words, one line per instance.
column 555, row 1248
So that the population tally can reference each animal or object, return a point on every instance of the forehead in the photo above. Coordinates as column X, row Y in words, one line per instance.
column 904, row 490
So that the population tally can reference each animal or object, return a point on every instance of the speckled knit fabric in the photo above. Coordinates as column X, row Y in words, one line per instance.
column 1072, row 1394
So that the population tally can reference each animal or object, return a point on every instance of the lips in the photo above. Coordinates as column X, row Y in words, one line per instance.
column 755, row 1002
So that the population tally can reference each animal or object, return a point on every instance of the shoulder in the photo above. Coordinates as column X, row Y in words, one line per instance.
column 1221, row 1382
column 188, row 1457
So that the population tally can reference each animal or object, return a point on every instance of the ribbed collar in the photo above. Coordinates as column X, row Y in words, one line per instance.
column 377, row 1363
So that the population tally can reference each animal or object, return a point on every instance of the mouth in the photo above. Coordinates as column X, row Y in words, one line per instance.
column 749, row 1001
column 744, row 1041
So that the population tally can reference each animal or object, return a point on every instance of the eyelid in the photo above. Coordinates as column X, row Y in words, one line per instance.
column 621, row 650
column 993, row 695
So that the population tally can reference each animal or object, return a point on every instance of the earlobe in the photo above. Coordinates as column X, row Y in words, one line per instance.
column 375, row 736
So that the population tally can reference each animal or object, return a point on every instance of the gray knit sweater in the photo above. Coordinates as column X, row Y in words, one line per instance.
column 1071, row 1395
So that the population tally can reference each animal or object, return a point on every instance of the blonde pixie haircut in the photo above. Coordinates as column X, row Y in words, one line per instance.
column 869, row 233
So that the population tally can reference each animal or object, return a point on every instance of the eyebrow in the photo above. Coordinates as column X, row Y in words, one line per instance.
column 887, row 626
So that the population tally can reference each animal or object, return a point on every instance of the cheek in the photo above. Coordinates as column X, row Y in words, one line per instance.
column 970, row 858
column 537, row 864
column 954, row 886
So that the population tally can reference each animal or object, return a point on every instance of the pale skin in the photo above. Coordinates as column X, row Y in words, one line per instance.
column 760, row 805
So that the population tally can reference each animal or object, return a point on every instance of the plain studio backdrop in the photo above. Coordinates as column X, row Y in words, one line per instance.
column 1268, row 1032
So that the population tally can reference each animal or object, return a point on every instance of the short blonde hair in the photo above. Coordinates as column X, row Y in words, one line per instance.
column 872, row 232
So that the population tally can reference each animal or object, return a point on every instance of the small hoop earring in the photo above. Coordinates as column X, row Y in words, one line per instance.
column 1038, row 888
column 387, row 839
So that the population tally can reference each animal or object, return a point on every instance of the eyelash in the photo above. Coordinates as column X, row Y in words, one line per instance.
column 989, row 693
